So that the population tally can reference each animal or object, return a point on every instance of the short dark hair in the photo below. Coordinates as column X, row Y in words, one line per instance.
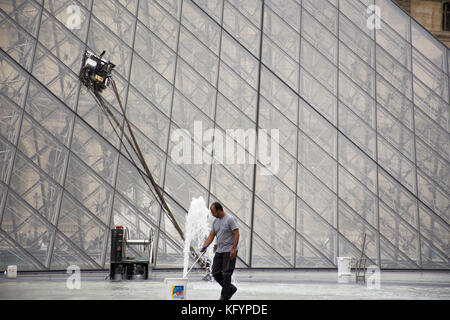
column 217, row 206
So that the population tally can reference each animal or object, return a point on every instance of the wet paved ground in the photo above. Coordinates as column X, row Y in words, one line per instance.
column 252, row 285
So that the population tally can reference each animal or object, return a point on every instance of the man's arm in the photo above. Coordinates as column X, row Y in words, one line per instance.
column 235, row 243
column 210, row 239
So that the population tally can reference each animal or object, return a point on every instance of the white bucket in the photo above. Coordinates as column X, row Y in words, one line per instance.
column 11, row 272
column 176, row 288
column 344, row 269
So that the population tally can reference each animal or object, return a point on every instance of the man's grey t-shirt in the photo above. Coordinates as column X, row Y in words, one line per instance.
column 223, row 228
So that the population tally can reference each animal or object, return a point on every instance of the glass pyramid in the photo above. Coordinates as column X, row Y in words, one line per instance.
column 358, row 91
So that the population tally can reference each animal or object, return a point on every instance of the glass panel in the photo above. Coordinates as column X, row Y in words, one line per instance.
column 212, row 7
column 242, row 170
column 281, row 164
column 231, row 193
column 172, row 6
column 395, row 133
column 319, row 37
column 356, row 99
column 242, row 95
column 58, row 9
column 356, row 40
column 359, row 132
column 90, row 190
column 228, row 116
column 90, row 111
column 317, row 196
column 195, row 88
column 400, row 234
column 276, row 195
column 317, row 96
column 433, row 196
column 357, row 163
column 356, row 196
column 6, row 160
column 264, row 256
column 356, row 11
column 151, row 84
column 13, row 81
column 56, row 77
column 394, row 102
column 196, row 162
column 280, row 63
column 288, row 10
column 49, row 112
column 356, row 69
column 94, row 151
column 308, row 257
column 62, row 43
column 159, row 22
column 278, row 94
column 432, row 164
column 27, row 228
column 432, row 134
column 25, row 13
column 430, row 75
column 432, row 257
column 154, row 157
column 35, row 188
column 82, row 229
column 249, row 8
column 317, row 161
column 12, row 254
column 397, row 75
column 353, row 228
column 147, row 118
column 10, row 116
column 392, row 257
column 323, row 70
column 43, row 149
column 434, row 230
column 132, row 186
column 154, row 52
column 242, row 30
column 101, row 39
column 240, row 60
column 316, row 231
column 15, row 42
column 203, row 27
column 270, row 118
column 431, row 104
column 317, row 128
column 131, row 5
column 181, row 186
column 265, row 222
column 281, row 33
column 323, row 11
column 398, row 198
column 395, row 17
column 396, row 164
column 66, row 254
column 395, row 44
column 428, row 46
column 190, row 49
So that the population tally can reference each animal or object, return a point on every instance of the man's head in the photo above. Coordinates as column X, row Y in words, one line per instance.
column 217, row 210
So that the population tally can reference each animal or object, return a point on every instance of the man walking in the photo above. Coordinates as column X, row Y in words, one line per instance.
column 226, row 230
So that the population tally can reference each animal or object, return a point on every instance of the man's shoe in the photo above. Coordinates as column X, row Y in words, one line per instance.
column 233, row 291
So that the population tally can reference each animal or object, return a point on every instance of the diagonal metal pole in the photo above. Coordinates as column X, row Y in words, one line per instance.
column 138, row 151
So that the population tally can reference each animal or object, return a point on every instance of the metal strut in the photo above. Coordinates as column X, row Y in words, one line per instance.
column 135, row 146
